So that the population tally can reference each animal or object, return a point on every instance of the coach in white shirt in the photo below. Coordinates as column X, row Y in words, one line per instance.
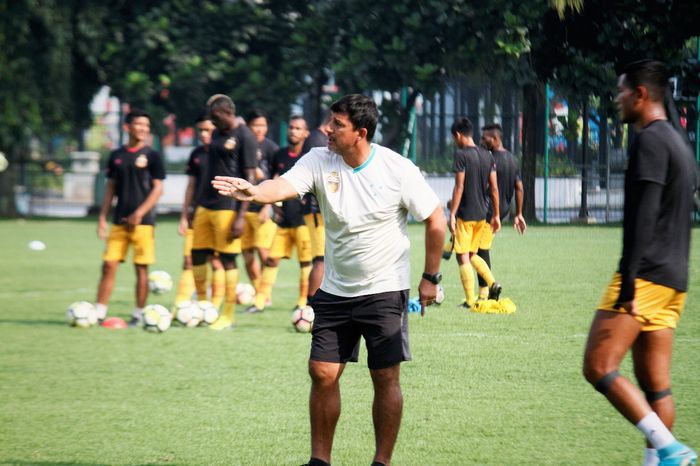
column 365, row 193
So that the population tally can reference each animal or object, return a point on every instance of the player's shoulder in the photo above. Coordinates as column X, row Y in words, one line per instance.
column 269, row 145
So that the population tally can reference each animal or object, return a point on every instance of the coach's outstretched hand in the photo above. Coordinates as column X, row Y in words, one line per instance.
column 237, row 188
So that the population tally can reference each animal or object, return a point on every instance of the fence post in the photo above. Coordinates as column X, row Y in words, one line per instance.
column 546, row 152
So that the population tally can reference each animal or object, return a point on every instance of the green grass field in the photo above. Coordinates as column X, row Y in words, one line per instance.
column 482, row 389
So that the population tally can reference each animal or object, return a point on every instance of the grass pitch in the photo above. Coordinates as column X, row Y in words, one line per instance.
column 482, row 389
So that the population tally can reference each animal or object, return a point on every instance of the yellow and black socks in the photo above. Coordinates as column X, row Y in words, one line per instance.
column 185, row 287
column 482, row 269
column 231, row 277
column 466, row 274
column 218, row 286
column 200, row 274
column 267, row 281
column 305, row 270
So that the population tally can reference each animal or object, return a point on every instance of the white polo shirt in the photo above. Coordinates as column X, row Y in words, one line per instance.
column 365, row 215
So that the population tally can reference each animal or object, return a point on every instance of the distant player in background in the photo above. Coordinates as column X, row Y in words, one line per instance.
column 291, row 233
column 196, row 171
column 475, row 180
column 259, row 227
column 509, row 183
column 313, row 218
column 643, row 303
column 219, row 222
column 135, row 174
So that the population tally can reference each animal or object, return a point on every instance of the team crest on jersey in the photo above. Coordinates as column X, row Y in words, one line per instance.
column 258, row 154
column 230, row 144
column 333, row 182
column 141, row 161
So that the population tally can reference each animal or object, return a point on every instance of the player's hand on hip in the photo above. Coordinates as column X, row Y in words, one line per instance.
column 237, row 188
column 495, row 224
column 519, row 224
column 452, row 224
column 237, row 227
column 630, row 307
column 427, row 292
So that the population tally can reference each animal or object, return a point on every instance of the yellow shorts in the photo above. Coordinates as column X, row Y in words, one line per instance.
column 486, row 237
column 142, row 237
column 317, row 230
column 256, row 234
column 468, row 235
column 212, row 229
column 287, row 238
column 189, row 237
column 659, row 306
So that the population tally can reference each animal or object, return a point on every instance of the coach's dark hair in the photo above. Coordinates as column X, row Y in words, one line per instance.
column 221, row 101
column 462, row 125
column 203, row 116
column 652, row 74
column 256, row 113
column 493, row 127
column 136, row 113
column 362, row 112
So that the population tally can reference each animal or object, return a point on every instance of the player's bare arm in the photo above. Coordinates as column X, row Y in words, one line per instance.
column 267, row 192
column 148, row 204
column 185, row 214
column 456, row 199
column 519, row 221
column 102, row 226
column 434, row 239
column 239, row 224
column 496, row 217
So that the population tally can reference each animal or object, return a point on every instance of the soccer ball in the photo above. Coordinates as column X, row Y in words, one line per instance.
column 156, row 318
column 440, row 297
column 245, row 293
column 159, row 282
column 303, row 319
column 188, row 314
column 81, row 314
column 209, row 313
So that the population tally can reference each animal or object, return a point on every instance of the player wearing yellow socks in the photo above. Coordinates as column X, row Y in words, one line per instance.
column 475, row 179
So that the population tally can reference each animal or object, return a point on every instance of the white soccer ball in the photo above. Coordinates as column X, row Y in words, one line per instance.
column 303, row 319
column 440, row 297
column 209, row 313
column 188, row 313
column 36, row 245
column 245, row 293
column 159, row 282
column 81, row 314
column 156, row 318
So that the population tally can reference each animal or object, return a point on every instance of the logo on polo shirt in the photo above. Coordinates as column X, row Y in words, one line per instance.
column 230, row 143
column 333, row 182
column 258, row 154
column 141, row 161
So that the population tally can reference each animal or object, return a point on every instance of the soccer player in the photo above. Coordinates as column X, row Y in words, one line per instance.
column 292, row 232
column 509, row 183
column 218, row 222
column 643, row 303
column 196, row 171
column 365, row 192
column 312, row 214
column 259, row 227
column 475, row 179
column 135, row 175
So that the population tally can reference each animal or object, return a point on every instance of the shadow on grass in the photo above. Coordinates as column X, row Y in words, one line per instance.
column 33, row 322
column 75, row 463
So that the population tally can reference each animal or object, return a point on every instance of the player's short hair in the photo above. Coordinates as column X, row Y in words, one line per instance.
column 296, row 116
column 362, row 112
column 462, row 125
column 255, row 114
column 651, row 74
column 136, row 113
column 203, row 116
column 221, row 101
column 493, row 127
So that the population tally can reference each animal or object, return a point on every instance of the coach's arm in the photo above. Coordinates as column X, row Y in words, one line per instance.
column 267, row 192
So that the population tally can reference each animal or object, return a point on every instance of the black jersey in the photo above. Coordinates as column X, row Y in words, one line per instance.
column 132, row 171
column 292, row 216
column 265, row 155
column 477, row 165
column 658, row 155
column 197, row 168
column 231, row 153
column 507, row 174
column 317, row 138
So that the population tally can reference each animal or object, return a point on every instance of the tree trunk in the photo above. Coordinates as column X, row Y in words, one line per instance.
column 583, row 212
column 507, row 119
column 443, row 124
column 533, row 103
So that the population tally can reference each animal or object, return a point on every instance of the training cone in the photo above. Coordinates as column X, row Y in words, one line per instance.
column 114, row 322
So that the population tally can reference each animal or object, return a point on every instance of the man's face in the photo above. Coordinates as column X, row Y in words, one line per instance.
column 458, row 139
column 488, row 139
column 627, row 101
column 222, row 119
column 297, row 131
column 139, row 129
column 341, row 133
column 259, row 128
column 204, row 130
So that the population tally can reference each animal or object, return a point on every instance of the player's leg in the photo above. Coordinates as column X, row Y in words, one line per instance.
column 484, row 252
column 387, row 410
column 324, row 406
column 116, row 248
column 252, row 266
column 282, row 245
column 302, row 240
column 228, row 250
column 317, row 231
column 463, row 240
column 143, row 239
column 185, row 286
column 202, row 247
column 218, row 280
column 264, row 237
column 481, row 267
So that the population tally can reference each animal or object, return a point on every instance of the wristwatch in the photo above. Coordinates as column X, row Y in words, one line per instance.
column 433, row 278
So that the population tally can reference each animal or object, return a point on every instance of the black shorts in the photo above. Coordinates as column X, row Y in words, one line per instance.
column 340, row 322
